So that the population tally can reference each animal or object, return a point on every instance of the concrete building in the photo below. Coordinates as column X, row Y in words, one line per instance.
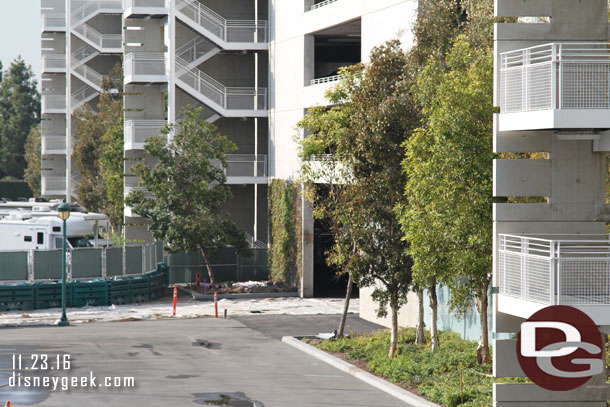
column 81, row 42
column 551, row 86
column 254, row 67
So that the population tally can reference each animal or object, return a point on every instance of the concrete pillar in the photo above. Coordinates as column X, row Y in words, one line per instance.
column 310, row 64
column 306, row 283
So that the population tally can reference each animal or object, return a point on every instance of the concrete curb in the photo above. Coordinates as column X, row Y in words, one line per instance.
column 210, row 297
column 383, row 385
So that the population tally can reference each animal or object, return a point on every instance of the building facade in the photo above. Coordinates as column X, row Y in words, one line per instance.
column 551, row 132
column 253, row 66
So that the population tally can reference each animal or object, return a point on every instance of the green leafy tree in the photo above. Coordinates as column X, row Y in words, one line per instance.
column 19, row 112
column 98, row 150
column 449, row 161
column 33, row 159
column 326, row 180
column 364, row 134
column 185, row 189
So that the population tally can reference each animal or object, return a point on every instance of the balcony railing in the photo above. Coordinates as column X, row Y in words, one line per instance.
column 145, row 64
column 145, row 3
column 83, row 10
column 322, row 4
column 53, row 102
column 551, row 272
column 327, row 79
column 54, row 63
column 53, row 185
column 53, row 22
column 555, row 76
column 53, row 143
column 138, row 131
column 246, row 165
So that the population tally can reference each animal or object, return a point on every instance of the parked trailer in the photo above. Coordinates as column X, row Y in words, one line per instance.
column 40, row 233
column 99, row 222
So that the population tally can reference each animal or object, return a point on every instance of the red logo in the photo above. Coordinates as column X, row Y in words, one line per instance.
column 560, row 348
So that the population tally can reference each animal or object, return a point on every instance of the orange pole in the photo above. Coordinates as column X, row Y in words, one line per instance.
column 175, row 299
column 216, row 303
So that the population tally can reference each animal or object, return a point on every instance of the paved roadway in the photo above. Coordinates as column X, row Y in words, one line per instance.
column 234, row 362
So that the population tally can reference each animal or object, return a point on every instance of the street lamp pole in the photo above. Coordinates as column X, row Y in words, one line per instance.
column 64, row 214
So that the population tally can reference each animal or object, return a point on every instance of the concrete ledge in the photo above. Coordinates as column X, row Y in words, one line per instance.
column 383, row 385
column 210, row 297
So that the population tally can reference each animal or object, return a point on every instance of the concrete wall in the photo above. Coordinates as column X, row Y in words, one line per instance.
column 241, row 208
column 241, row 132
column 142, row 101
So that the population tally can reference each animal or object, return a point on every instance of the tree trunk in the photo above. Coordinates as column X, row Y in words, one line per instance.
column 348, row 294
column 394, row 335
column 420, row 335
column 208, row 266
column 483, row 356
column 433, row 318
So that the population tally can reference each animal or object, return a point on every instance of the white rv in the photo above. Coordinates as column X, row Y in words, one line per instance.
column 99, row 222
column 23, row 232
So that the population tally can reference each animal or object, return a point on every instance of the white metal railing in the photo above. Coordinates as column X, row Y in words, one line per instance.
column 53, row 143
column 103, row 41
column 236, row 98
column 145, row 63
column 555, row 76
column 567, row 270
column 322, row 4
column 53, row 185
column 87, row 73
column 53, row 102
column 253, row 243
column 328, row 79
column 138, row 131
column 194, row 50
column 82, row 10
column 246, row 165
column 82, row 96
column 83, row 54
column 53, row 62
column 53, row 22
column 252, row 31
column 145, row 3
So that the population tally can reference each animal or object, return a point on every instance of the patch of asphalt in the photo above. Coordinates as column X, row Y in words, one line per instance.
column 278, row 326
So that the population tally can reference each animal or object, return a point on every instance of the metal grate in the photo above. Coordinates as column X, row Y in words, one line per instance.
column 555, row 271
column 555, row 76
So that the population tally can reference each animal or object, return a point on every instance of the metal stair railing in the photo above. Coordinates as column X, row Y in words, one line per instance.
column 237, row 98
column 103, row 41
column 194, row 50
column 88, row 73
column 226, row 30
column 83, row 54
column 90, row 7
column 82, row 96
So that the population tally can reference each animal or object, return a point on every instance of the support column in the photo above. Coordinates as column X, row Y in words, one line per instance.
column 68, row 104
column 306, row 286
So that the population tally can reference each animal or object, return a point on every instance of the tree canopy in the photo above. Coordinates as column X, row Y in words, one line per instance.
column 19, row 113
column 184, row 189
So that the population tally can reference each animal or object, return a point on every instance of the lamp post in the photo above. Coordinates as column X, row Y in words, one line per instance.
column 64, row 214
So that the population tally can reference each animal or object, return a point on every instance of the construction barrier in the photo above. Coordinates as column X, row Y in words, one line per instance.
column 117, row 290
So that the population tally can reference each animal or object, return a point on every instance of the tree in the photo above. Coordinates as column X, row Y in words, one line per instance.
column 327, row 183
column 98, row 150
column 364, row 133
column 19, row 112
column 185, row 189
column 33, row 159
column 449, row 161
column 90, row 128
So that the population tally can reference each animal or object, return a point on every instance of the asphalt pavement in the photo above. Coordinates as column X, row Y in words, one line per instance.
column 188, row 362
